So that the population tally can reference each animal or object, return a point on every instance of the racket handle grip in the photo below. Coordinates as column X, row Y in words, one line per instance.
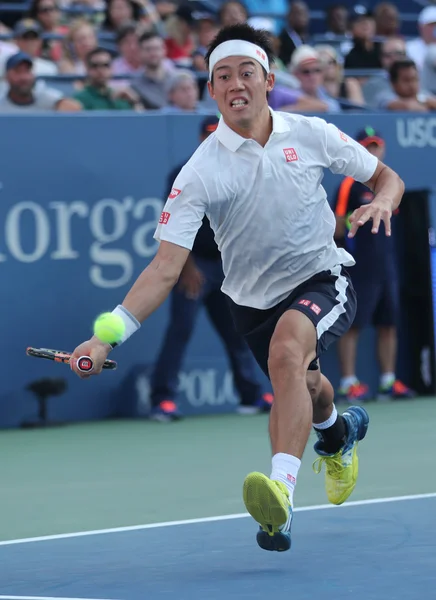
column 85, row 364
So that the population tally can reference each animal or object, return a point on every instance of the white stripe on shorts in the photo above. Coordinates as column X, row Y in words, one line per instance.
column 330, row 318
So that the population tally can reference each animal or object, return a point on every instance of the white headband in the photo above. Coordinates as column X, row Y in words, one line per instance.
column 238, row 48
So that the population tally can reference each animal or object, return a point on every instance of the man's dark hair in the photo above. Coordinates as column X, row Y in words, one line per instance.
column 244, row 32
column 399, row 65
column 96, row 52
column 149, row 35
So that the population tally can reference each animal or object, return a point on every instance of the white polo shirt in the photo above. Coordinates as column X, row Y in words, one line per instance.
column 267, row 207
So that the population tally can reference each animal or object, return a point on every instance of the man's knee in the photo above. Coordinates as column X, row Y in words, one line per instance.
column 286, row 355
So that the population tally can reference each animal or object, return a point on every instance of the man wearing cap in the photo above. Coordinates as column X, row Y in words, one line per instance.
column 200, row 284
column 365, row 53
column 375, row 280
column 28, row 38
column 22, row 95
column 258, row 180
column 417, row 48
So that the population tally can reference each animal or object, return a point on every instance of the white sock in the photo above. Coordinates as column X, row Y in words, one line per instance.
column 387, row 379
column 347, row 381
column 330, row 421
column 285, row 469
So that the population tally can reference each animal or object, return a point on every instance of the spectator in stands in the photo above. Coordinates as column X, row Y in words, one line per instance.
column 337, row 26
column 80, row 40
column 378, row 87
column 120, row 12
column 429, row 70
column 200, row 285
column 48, row 15
column 406, row 94
column 22, row 96
column 180, row 41
column 152, row 86
column 97, row 95
column 307, row 68
column 365, row 53
column 296, row 32
column 183, row 94
column 232, row 13
column 375, row 280
column 387, row 20
column 207, row 28
column 27, row 34
column 128, row 61
column 334, row 82
column 417, row 48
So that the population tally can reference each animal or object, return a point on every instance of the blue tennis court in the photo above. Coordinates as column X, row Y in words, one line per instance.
column 365, row 550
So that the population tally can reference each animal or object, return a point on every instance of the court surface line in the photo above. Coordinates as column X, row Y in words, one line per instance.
column 63, row 536
column 44, row 598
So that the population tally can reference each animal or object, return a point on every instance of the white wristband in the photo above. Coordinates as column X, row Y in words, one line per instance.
column 131, row 323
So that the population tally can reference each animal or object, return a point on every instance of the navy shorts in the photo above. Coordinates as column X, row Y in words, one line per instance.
column 327, row 299
column 377, row 302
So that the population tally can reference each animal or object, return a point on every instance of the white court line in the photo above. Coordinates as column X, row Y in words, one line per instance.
column 44, row 598
column 63, row 536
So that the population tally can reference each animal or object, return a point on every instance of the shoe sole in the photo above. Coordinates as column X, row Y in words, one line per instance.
column 363, row 419
column 263, row 502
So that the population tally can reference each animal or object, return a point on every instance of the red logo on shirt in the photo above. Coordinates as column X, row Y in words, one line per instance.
column 290, row 154
column 174, row 193
column 316, row 309
column 304, row 302
column 343, row 136
column 164, row 218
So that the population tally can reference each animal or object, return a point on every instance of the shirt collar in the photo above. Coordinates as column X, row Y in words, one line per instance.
column 233, row 141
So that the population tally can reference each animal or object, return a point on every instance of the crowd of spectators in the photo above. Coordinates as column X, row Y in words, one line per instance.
column 149, row 56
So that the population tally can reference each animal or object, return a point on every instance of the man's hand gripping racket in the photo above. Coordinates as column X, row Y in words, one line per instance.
column 97, row 352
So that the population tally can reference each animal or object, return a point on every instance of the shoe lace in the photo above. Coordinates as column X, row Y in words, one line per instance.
column 333, row 465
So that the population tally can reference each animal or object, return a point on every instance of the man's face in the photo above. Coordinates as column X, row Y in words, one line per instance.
column 363, row 28
column 30, row 43
column 387, row 20
column 338, row 20
column 407, row 84
column 310, row 76
column 428, row 33
column 153, row 52
column 99, row 69
column 239, row 88
column 21, row 79
column 298, row 17
column 129, row 47
column 185, row 94
column 376, row 150
column 392, row 50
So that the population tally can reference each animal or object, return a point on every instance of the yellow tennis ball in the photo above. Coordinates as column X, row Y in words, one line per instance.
column 109, row 328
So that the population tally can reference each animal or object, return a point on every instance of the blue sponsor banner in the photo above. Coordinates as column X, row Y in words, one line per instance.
column 80, row 196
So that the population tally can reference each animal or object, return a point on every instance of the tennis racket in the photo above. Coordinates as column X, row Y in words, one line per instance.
column 84, row 363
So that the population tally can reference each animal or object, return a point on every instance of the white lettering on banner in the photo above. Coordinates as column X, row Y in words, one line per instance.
column 61, row 227
column 201, row 388
column 417, row 132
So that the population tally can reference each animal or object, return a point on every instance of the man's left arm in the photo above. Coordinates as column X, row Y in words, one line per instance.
column 388, row 188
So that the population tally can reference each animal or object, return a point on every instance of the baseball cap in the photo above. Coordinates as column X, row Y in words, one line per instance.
column 359, row 11
column 27, row 26
column 369, row 135
column 303, row 55
column 209, row 125
column 427, row 15
column 17, row 59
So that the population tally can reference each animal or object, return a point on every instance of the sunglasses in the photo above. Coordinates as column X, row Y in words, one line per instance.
column 310, row 71
column 100, row 65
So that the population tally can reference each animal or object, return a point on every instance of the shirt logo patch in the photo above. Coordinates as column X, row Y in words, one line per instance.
column 343, row 136
column 164, row 218
column 290, row 154
column 304, row 302
column 316, row 309
column 174, row 193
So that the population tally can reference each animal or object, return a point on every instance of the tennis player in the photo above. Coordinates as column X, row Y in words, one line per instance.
column 258, row 180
